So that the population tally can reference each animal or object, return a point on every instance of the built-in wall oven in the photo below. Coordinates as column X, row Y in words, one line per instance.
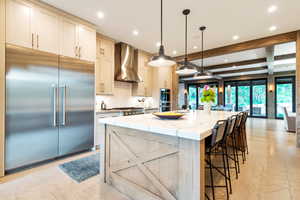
column 165, row 100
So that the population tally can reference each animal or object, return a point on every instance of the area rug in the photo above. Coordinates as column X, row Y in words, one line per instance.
column 82, row 169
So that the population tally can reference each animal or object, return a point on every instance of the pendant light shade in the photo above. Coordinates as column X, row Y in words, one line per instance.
column 186, row 68
column 161, row 60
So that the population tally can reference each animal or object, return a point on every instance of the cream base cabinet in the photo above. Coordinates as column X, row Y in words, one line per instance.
column 46, row 28
column 68, row 40
column 18, row 23
column 86, row 43
column 105, row 64
column 144, row 88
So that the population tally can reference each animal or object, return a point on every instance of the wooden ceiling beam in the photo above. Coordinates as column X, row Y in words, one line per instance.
column 243, row 46
column 242, row 70
column 240, row 63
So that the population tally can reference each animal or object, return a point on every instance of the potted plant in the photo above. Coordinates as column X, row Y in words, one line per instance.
column 208, row 97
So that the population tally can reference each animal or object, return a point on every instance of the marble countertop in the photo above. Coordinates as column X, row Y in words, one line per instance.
column 195, row 125
column 119, row 111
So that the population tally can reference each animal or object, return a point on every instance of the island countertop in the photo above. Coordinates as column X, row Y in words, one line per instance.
column 194, row 125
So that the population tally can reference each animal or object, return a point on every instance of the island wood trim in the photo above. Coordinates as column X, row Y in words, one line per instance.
column 252, row 44
column 173, row 169
column 140, row 165
column 298, row 89
column 2, row 87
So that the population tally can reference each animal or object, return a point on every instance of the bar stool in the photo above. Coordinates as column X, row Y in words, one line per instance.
column 240, row 136
column 243, row 130
column 213, row 143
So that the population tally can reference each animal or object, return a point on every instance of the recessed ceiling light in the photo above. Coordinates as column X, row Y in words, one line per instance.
column 157, row 44
column 236, row 37
column 135, row 32
column 272, row 9
column 195, row 47
column 174, row 52
column 100, row 15
column 273, row 28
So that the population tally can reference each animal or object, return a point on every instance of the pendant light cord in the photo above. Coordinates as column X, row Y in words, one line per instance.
column 186, row 21
column 161, row 22
column 202, row 53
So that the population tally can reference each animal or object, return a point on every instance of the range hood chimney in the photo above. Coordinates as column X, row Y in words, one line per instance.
column 126, row 68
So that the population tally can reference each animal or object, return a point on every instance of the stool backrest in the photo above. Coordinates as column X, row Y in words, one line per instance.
column 239, row 119
column 231, row 123
column 218, row 132
column 245, row 117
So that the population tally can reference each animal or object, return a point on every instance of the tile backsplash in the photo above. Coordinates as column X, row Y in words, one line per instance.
column 122, row 98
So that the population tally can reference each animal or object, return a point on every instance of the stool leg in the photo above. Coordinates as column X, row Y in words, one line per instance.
column 211, row 176
column 228, row 169
column 225, row 173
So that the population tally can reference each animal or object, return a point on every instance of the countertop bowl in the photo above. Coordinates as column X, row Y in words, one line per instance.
column 168, row 115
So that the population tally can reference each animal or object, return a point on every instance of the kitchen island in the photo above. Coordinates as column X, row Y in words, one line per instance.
column 147, row 158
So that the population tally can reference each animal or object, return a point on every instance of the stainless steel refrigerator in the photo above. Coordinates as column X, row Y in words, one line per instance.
column 49, row 106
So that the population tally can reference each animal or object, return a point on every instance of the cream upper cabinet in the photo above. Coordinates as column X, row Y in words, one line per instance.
column 143, row 88
column 18, row 23
column 105, row 64
column 86, row 43
column 46, row 29
column 68, row 42
column 33, row 26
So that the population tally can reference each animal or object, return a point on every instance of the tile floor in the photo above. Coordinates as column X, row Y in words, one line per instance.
column 272, row 172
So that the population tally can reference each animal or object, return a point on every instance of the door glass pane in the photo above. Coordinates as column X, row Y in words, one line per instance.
column 230, row 97
column 243, row 98
column 284, row 98
column 200, row 90
column 259, row 100
column 193, row 97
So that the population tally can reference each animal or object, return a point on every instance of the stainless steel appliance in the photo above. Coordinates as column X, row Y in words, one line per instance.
column 165, row 100
column 49, row 106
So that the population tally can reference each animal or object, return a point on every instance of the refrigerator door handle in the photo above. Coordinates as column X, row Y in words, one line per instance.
column 54, row 104
column 64, row 105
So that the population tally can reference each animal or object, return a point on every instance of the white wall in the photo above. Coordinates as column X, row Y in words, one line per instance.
column 122, row 97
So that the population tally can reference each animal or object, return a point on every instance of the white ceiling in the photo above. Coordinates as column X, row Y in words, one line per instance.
column 225, row 18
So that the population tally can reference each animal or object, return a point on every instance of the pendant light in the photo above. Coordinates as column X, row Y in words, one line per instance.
column 186, row 67
column 203, row 74
column 161, row 60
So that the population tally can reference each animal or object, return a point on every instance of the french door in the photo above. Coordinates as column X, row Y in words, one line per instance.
column 250, row 95
column 284, row 95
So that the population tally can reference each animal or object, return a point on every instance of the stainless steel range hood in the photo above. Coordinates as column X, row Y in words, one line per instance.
column 126, row 69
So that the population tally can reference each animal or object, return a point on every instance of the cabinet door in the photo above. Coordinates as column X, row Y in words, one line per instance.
column 68, row 43
column 105, row 66
column 87, row 43
column 148, row 82
column 18, row 23
column 46, row 27
column 99, row 78
column 139, row 89
column 106, row 49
